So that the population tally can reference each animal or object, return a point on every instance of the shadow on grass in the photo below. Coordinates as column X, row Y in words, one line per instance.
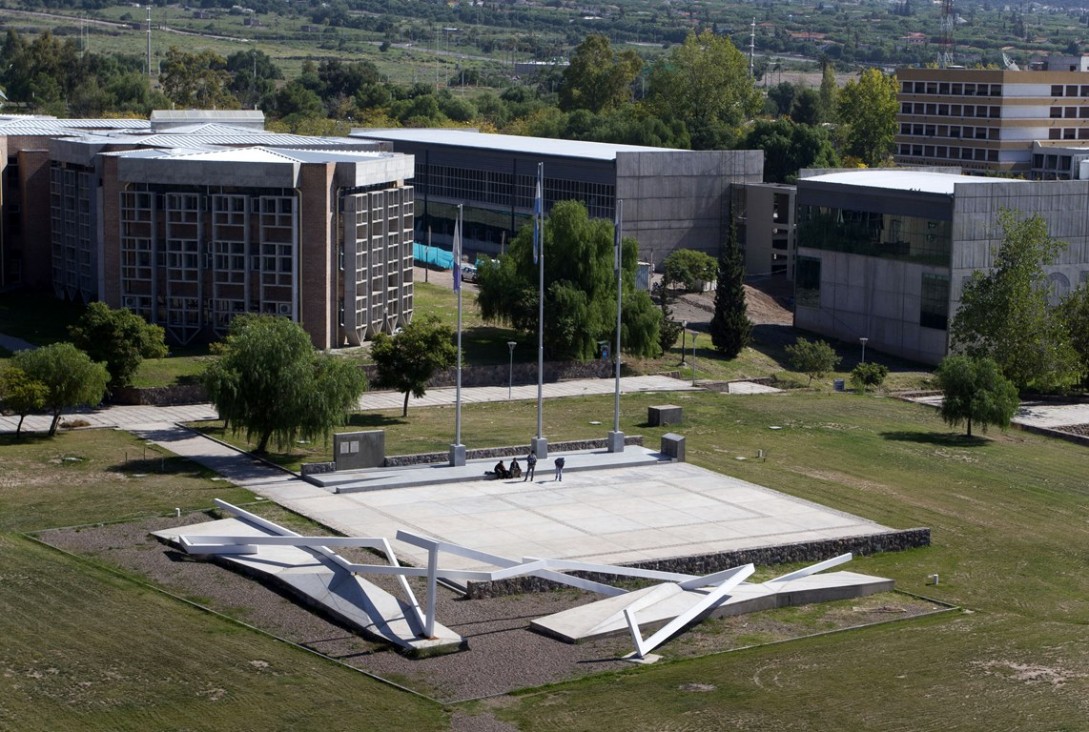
column 373, row 420
column 159, row 465
column 8, row 439
column 944, row 439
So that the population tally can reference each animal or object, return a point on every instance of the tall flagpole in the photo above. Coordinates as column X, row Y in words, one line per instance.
column 540, row 444
column 616, row 437
column 457, row 450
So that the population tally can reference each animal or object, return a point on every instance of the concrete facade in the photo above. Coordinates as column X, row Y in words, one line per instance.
column 764, row 214
column 197, row 216
column 672, row 198
column 900, row 290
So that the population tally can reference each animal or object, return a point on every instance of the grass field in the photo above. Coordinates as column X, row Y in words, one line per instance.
column 1010, row 521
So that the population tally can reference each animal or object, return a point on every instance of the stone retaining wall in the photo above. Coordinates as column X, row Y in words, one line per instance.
column 426, row 458
column 808, row 552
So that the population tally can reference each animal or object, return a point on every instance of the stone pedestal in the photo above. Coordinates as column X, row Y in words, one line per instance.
column 673, row 446
column 457, row 456
column 615, row 441
column 356, row 450
column 664, row 414
column 539, row 445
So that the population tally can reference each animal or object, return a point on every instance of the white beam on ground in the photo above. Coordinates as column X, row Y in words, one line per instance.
column 643, row 647
column 814, row 568
column 432, row 586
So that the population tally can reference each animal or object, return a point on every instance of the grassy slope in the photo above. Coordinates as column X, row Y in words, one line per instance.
column 1010, row 520
column 87, row 649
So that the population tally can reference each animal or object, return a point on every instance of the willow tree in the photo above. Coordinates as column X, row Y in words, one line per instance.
column 269, row 381
column 580, row 287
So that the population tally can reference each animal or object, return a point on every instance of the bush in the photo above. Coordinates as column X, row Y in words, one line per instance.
column 869, row 374
column 813, row 358
column 689, row 268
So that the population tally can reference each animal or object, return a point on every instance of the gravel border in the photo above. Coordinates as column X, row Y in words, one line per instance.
column 504, row 655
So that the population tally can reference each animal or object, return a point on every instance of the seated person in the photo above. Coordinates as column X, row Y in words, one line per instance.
column 500, row 470
column 515, row 469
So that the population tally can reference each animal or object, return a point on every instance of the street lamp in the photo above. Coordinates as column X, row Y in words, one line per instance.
column 863, row 342
column 684, row 339
column 510, row 381
column 694, row 334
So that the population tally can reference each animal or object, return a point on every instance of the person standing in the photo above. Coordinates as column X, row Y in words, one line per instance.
column 559, row 469
column 531, row 464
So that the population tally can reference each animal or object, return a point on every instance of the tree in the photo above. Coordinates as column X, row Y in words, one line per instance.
column 21, row 394
column 788, row 147
column 813, row 358
column 197, row 79
column 974, row 390
column 1075, row 314
column 119, row 338
column 598, row 77
column 705, row 82
column 580, row 287
column 867, row 114
column 407, row 361
column 688, row 268
column 731, row 329
column 1004, row 314
column 269, row 381
column 868, row 374
column 69, row 375
column 829, row 93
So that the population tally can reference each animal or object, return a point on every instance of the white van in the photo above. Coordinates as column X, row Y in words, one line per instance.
column 468, row 273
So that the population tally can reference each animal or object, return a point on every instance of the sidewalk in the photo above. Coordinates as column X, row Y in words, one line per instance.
column 128, row 416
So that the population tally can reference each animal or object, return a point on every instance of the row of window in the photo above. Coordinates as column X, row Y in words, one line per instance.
column 955, row 132
column 907, row 238
column 951, row 110
column 1068, row 133
column 947, row 153
column 954, row 88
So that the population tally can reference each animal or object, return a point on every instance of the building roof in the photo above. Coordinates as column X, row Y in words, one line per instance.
column 505, row 143
column 212, row 133
column 896, row 179
column 51, row 126
column 255, row 155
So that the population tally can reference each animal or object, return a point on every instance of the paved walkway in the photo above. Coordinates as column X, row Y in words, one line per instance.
column 1034, row 414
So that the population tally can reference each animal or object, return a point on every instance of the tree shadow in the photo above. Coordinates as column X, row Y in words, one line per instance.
column 944, row 439
column 374, row 420
column 26, row 437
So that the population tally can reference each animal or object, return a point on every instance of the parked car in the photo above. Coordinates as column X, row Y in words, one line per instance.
column 468, row 273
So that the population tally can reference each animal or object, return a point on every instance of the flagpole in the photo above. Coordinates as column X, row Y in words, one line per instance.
column 457, row 450
column 616, row 437
column 540, row 444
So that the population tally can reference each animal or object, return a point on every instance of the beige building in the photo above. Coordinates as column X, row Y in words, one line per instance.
column 986, row 121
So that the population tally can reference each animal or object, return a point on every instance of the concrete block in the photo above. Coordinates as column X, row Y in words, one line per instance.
column 356, row 450
column 615, row 441
column 664, row 414
column 673, row 446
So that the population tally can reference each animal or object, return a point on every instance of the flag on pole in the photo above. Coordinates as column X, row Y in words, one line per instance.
column 617, row 244
column 538, row 211
column 457, row 256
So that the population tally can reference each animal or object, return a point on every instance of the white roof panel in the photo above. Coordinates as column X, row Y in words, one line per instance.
column 895, row 179
column 505, row 143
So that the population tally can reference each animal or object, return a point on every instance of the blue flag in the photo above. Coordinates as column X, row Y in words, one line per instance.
column 538, row 210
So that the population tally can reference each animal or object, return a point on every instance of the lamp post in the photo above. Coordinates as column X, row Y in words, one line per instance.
column 863, row 342
column 694, row 334
column 684, row 339
column 510, row 380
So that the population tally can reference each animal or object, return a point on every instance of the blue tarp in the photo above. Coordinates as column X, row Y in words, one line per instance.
column 432, row 256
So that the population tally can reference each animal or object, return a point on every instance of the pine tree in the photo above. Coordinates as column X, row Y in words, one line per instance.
column 731, row 329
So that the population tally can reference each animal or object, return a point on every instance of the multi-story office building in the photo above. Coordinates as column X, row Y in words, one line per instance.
column 764, row 217
column 191, row 220
column 985, row 120
column 883, row 254
column 673, row 199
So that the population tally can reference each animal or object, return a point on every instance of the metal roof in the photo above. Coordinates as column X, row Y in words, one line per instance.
column 506, row 143
column 894, row 179
column 255, row 155
column 50, row 126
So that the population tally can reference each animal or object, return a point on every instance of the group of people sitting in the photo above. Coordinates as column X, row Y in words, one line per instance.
column 501, row 471
column 515, row 470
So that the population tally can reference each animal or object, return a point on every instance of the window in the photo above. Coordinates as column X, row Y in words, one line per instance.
column 934, row 302
column 807, row 282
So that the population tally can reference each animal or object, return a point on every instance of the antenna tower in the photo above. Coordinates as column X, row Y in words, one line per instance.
column 945, row 42
column 752, row 47
column 149, row 41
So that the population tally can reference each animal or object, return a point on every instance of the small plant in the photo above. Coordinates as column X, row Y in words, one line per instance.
column 869, row 374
